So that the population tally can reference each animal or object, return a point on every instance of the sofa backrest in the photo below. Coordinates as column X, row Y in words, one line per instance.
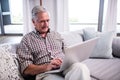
column 74, row 37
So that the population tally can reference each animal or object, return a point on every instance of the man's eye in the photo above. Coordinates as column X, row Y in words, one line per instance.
column 47, row 20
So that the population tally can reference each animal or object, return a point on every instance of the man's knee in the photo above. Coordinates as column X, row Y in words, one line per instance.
column 79, row 65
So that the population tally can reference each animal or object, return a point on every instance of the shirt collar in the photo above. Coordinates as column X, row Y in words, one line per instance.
column 37, row 32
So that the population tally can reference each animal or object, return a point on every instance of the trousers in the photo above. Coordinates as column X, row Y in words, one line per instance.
column 77, row 71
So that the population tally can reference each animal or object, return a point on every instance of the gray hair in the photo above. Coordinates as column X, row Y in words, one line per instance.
column 36, row 10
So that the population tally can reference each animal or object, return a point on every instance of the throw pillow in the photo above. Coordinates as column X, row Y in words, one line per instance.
column 71, row 38
column 11, row 48
column 8, row 69
column 103, row 48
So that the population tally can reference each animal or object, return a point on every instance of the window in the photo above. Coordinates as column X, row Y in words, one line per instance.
column 16, row 12
column 12, row 16
column 83, row 13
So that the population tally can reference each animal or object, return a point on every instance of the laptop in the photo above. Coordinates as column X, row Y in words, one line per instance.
column 76, row 53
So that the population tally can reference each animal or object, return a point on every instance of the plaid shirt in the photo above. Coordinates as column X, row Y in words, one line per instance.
column 34, row 49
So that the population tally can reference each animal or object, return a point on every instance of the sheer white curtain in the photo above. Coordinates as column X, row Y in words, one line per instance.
column 62, row 15
column 27, row 7
column 111, row 16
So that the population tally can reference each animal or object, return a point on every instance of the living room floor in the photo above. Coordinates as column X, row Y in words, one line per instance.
column 10, row 39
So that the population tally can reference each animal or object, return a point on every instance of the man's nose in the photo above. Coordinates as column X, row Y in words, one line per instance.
column 46, row 23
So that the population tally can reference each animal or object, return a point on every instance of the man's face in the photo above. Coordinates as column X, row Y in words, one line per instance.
column 42, row 22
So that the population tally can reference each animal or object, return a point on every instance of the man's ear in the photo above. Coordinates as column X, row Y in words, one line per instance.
column 33, row 21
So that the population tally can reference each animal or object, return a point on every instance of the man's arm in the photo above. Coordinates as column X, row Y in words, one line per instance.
column 36, row 69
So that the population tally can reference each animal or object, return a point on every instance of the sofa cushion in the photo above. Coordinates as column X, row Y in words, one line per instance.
column 103, row 48
column 8, row 68
column 104, row 69
column 71, row 38
column 116, row 47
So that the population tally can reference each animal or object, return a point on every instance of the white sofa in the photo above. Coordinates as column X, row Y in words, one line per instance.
column 102, row 67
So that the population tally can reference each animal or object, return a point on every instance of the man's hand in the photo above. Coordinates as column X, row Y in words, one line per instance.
column 54, row 64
